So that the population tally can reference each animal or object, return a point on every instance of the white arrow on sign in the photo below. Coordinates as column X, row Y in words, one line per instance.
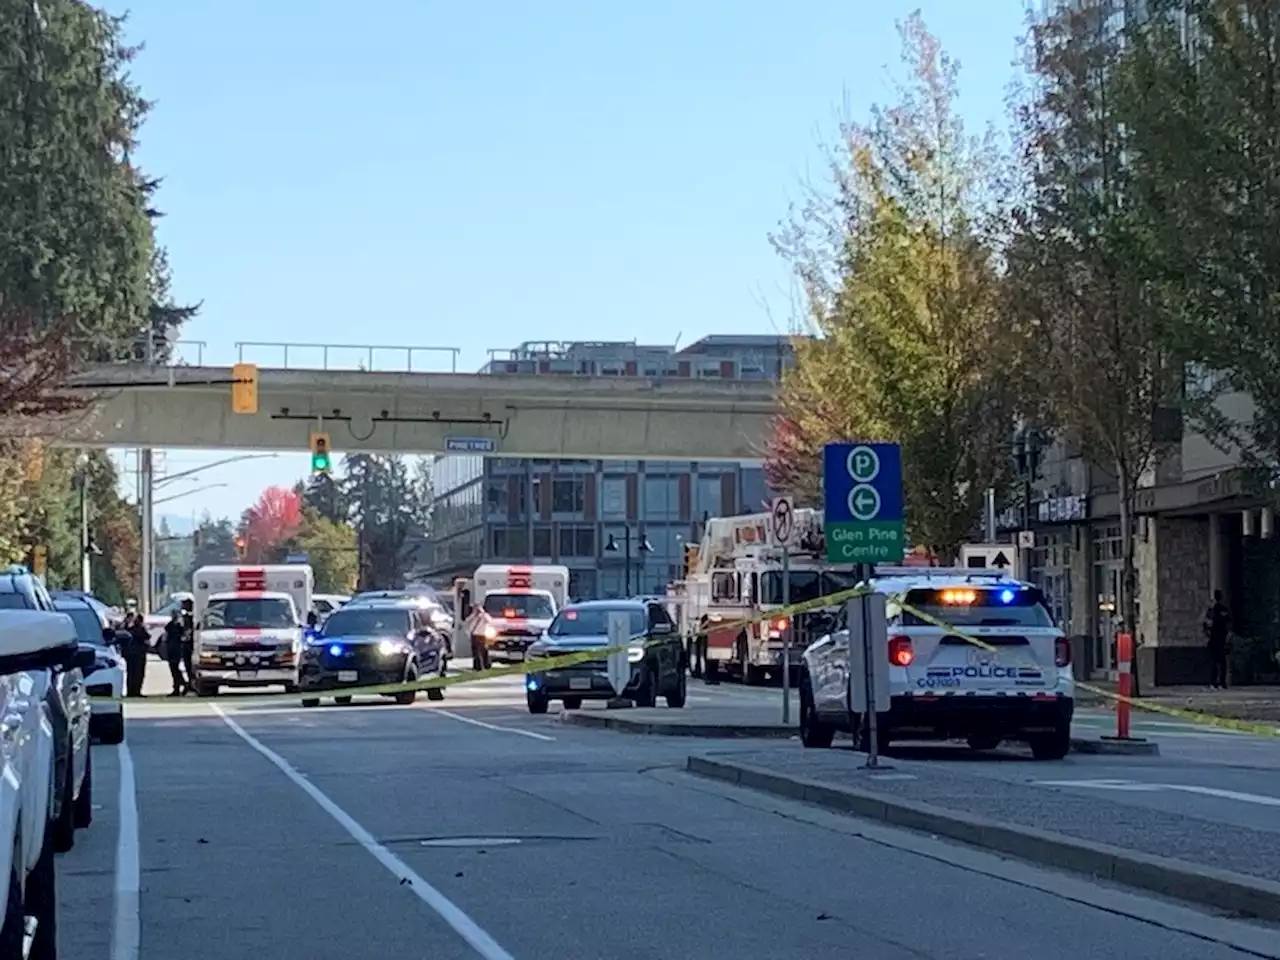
column 864, row 502
column 619, row 664
column 782, row 521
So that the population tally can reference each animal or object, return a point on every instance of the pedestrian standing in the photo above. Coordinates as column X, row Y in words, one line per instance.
column 189, row 642
column 135, row 653
column 174, row 631
column 1217, row 631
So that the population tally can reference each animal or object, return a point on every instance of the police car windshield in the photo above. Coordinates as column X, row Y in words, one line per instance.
column 234, row 613
column 978, row 607
column 593, row 621
column 806, row 585
column 367, row 622
column 523, row 605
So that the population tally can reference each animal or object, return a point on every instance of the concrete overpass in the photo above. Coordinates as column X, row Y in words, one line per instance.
column 509, row 415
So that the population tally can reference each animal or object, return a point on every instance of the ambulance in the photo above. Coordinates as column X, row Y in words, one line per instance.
column 249, row 624
column 503, row 609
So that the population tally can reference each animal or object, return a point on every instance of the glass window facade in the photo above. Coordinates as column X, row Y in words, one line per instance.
column 506, row 509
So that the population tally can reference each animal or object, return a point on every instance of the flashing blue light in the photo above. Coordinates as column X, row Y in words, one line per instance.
column 335, row 650
column 1006, row 596
column 532, row 683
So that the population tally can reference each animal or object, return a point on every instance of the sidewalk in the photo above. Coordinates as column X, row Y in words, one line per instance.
column 1226, row 866
column 1260, row 704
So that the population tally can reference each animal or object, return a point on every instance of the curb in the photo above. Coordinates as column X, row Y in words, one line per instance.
column 737, row 731
column 1114, row 747
column 1223, row 890
column 659, row 728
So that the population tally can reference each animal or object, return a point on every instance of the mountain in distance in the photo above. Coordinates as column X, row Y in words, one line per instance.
column 178, row 525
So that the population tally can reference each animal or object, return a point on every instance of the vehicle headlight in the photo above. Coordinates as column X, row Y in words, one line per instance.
column 490, row 632
column 635, row 654
column 389, row 648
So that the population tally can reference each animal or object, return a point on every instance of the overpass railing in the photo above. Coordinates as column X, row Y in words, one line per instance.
column 328, row 356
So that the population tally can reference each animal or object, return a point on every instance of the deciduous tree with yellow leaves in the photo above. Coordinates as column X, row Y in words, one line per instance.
column 899, row 265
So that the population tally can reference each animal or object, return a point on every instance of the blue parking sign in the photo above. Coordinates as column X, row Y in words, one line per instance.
column 862, row 502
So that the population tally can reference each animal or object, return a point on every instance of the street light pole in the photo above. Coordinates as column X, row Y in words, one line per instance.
column 1026, row 451
column 642, row 546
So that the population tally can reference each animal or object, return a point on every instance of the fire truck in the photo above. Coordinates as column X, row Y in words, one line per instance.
column 734, row 575
column 501, row 610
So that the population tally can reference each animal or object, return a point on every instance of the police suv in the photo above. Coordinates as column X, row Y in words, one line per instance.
column 1017, row 684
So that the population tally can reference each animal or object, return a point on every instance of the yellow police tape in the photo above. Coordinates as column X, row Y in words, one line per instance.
column 547, row 664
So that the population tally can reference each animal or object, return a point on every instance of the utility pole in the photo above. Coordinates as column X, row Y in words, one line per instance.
column 86, row 571
column 146, row 490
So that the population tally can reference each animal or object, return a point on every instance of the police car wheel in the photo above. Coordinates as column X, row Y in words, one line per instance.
column 883, row 738
column 538, row 702
column 406, row 697
column 814, row 734
column 311, row 701
column 1052, row 746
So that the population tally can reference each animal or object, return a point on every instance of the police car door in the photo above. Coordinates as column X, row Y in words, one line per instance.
column 830, row 661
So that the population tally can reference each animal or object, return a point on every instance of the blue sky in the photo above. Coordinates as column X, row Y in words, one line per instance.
column 423, row 173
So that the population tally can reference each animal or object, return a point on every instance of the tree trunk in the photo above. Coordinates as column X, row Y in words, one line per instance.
column 1128, row 599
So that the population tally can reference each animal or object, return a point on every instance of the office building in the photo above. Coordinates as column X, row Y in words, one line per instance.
column 620, row 526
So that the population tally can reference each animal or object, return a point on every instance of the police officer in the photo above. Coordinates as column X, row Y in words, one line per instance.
column 174, row 631
column 134, row 650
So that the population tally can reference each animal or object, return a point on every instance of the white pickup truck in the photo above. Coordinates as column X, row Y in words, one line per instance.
column 32, row 643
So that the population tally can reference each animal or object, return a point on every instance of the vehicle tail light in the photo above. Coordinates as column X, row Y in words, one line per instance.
column 780, row 624
column 1062, row 652
column 900, row 652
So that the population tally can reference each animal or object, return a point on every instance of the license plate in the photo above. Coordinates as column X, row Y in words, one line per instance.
column 348, row 676
column 515, row 656
column 579, row 683
column 248, row 674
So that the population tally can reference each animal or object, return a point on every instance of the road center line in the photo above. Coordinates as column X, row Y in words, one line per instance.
column 492, row 726
column 126, row 932
column 449, row 912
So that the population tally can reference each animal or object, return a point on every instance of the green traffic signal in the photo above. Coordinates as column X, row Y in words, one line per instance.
column 319, row 463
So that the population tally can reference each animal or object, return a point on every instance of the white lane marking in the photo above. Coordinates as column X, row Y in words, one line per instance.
column 1138, row 786
column 126, row 932
column 449, row 912
column 492, row 726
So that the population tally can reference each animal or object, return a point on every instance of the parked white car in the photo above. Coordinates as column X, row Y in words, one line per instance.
column 33, row 646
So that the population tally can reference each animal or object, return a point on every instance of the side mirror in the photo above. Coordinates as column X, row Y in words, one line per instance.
column 110, row 636
column 84, row 659
column 122, row 637
column 820, row 624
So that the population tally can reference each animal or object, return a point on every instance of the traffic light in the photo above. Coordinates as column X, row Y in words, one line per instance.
column 690, row 558
column 319, row 452
column 239, row 546
column 244, row 388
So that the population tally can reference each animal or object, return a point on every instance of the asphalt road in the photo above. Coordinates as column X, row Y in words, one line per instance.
column 471, row 829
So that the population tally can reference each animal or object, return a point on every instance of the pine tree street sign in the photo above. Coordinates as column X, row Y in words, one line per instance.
column 862, row 502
